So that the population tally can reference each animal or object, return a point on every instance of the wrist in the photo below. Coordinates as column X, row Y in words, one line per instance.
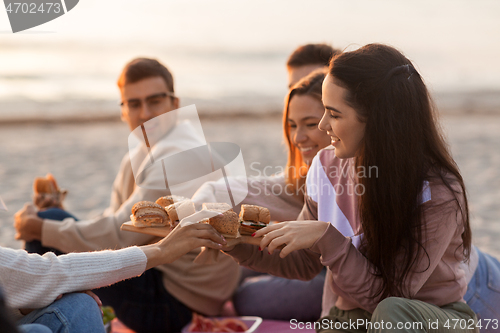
column 228, row 248
column 154, row 255
column 37, row 227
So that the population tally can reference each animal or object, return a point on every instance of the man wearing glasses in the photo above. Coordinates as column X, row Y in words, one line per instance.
column 163, row 298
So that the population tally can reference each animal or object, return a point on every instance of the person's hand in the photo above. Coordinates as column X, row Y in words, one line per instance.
column 295, row 235
column 181, row 240
column 94, row 297
column 227, row 248
column 27, row 223
column 88, row 292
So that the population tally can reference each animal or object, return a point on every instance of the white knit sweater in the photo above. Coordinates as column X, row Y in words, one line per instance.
column 31, row 281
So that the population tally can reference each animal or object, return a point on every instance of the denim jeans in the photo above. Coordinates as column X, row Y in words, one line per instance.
column 52, row 214
column 483, row 292
column 144, row 305
column 34, row 328
column 75, row 313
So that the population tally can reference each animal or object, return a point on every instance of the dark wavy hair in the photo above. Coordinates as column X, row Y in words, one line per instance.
column 403, row 140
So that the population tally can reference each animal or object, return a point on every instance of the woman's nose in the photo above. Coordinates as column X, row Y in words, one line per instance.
column 300, row 136
column 324, row 125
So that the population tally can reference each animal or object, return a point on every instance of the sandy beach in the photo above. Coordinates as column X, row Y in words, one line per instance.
column 85, row 157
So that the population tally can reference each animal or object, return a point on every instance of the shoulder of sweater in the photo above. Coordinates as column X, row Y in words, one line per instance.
column 182, row 136
column 184, row 130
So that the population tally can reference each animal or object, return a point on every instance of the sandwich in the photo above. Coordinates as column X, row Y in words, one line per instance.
column 169, row 199
column 44, row 185
column 226, row 223
column 179, row 210
column 253, row 218
column 47, row 193
column 149, row 214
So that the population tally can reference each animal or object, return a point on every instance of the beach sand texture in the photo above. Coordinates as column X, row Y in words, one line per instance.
column 85, row 158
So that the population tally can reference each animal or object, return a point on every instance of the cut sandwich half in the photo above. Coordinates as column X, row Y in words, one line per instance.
column 149, row 214
column 179, row 210
column 253, row 218
column 225, row 222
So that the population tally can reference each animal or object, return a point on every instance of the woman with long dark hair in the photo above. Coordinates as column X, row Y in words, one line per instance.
column 398, row 230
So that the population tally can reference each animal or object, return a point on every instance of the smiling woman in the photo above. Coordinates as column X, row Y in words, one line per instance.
column 395, row 251
column 302, row 114
column 341, row 122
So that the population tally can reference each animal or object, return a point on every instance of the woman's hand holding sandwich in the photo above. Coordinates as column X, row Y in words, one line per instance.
column 294, row 235
column 180, row 241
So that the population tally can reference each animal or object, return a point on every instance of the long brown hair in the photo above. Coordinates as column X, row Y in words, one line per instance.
column 403, row 141
column 296, row 168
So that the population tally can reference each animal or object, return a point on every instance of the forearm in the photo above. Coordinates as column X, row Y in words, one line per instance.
column 301, row 265
column 100, row 233
column 32, row 281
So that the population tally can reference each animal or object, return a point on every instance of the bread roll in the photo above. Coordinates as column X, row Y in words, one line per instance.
column 226, row 223
column 255, row 214
column 43, row 185
column 47, row 193
column 149, row 214
column 169, row 200
column 179, row 209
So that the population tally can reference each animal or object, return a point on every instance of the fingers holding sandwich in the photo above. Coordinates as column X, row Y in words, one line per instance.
column 180, row 241
column 292, row 236
column 273, row 237
column 196, row 235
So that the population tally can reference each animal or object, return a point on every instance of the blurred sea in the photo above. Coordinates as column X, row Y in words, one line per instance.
column 228, row 57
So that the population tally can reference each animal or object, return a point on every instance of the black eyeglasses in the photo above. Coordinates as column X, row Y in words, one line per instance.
column 154, row 102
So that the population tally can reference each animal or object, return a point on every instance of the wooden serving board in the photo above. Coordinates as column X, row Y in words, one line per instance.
column 155, row 231
column 164, row 231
